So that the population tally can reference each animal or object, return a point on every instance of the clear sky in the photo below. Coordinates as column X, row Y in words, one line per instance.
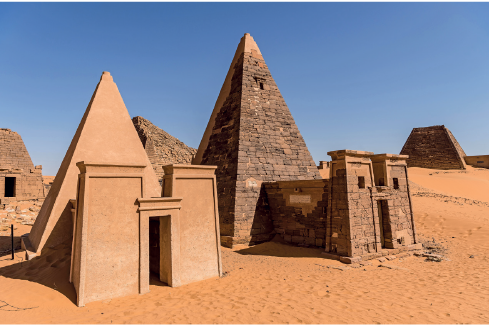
column 354, row 75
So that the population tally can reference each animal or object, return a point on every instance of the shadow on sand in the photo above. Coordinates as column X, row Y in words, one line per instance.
column 279, row 248
column 6, row 245
column 51, row 269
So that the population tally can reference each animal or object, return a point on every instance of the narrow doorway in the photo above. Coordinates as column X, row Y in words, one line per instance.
column 9, row 186
column 154, row 247
column 384, row 224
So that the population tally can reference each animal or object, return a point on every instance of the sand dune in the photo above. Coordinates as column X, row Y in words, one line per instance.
column 472, row 183
column 278, row 283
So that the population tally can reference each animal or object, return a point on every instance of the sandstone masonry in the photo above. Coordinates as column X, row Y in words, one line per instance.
column 433, row 147
column 161, row 147
column 361, row 210
column 19, row 178
column 252, row 138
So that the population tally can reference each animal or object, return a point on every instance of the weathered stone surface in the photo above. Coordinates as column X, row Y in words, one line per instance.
column 161, row 147
column 298, row 210
column 19, row 178
column 433, row 147
column 369, row 205
column 252, row 138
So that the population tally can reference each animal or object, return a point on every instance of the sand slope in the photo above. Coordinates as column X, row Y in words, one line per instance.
column 277, row 283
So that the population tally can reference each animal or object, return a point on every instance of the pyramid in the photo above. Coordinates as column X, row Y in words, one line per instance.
column 15, row 164
column 252, row 138
column 161, row 147
column 433, row 147
column 105, row 135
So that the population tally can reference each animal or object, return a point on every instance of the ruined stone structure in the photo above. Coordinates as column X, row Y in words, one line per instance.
column 252, row 138
column 433, row 147
column 323, row 169
column 370, row 205
column 161, row 147
column 298, row 210
column 19, row 178
column 363, row 208
column 481, row 161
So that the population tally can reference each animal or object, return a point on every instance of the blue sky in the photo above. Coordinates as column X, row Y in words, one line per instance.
column 354, row 75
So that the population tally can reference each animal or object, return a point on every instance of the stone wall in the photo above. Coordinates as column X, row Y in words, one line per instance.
column 161, row 147
column 433, row 147
column 16, row 164
column 298, row 210
column 369, row 205
column 481, row 161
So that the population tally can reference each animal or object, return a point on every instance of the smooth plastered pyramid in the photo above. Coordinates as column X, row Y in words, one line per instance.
column 105, row 134
column 252, row 138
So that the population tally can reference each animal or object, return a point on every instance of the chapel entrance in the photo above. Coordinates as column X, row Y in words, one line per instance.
column 9, row 186
column 384, row 224
column 154, row 246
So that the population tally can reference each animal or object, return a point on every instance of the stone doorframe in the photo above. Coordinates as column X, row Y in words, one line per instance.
column 168, row 210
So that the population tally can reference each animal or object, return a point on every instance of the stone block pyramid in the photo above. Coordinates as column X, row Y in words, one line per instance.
column 433, row 147
column 252, row 138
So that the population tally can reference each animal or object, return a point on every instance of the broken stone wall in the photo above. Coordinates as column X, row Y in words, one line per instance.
column 298, row 210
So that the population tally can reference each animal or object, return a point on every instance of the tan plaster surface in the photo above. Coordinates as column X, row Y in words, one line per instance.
column 105, row 134
column 113, row 233
column 106, row 257
column 199, row 230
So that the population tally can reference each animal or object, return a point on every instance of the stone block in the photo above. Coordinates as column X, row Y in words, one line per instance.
column 350, row 260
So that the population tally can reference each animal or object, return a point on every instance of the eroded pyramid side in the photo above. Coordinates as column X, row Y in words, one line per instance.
column 433, row 147
column 252, row 138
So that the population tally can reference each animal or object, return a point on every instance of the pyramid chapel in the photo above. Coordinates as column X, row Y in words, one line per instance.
column 122, row 226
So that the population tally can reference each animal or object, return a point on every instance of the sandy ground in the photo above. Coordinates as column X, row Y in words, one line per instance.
column 277, row 283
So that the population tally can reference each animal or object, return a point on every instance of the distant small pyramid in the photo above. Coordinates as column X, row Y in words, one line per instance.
column 26, row 183
column 252, row 138
column 105, row 135
column 161, row 147
column 433, row 147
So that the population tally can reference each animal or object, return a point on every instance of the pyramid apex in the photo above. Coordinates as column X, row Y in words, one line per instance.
column 106, row 76
column 247, row 34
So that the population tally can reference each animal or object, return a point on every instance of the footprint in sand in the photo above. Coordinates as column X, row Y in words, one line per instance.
column 471, row 231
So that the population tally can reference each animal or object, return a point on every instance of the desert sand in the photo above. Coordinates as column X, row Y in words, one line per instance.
column 277, row 283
